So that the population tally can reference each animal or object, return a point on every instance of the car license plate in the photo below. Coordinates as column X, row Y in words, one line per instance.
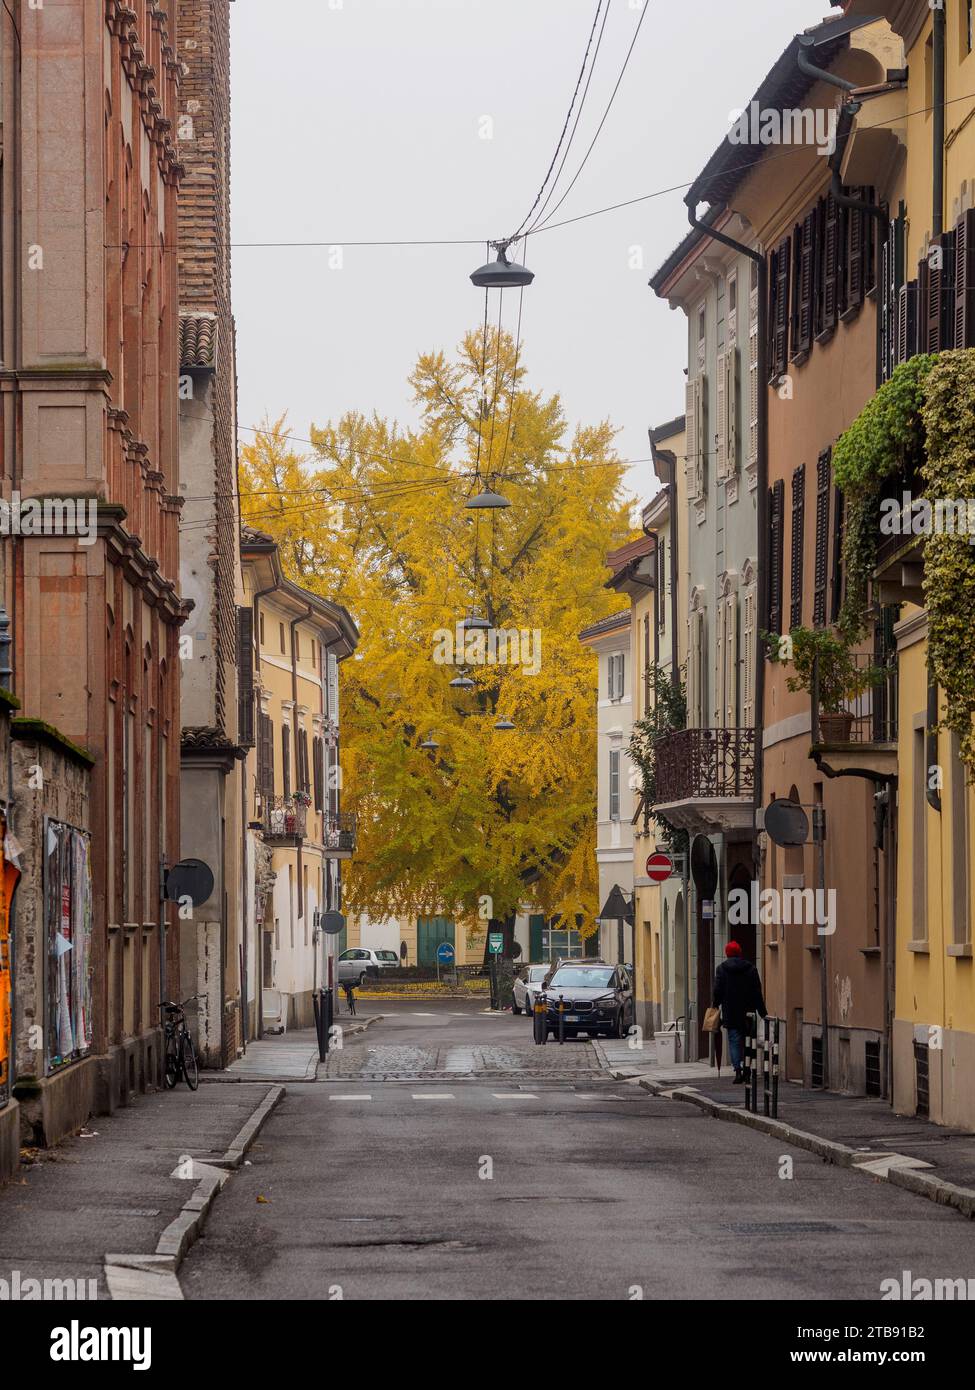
column 572, row 1018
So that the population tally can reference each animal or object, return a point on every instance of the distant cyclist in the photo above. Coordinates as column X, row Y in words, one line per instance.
column 349, row 987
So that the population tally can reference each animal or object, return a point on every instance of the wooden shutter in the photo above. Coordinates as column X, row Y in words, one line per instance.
column 692, row 443
column 721, row 387
column 729, row 710
column 285, row 760
column 748, row 657
column 731, row 453
column 754, row 386
column 831, row 264
column 939, row 327
column 838, row 520
column 305, row 769
column 964, row 315
column 720, row 642
column 779, row 310
column 906, row 322
column 798, row 517
column 265, row 756
column 885, row 315
column 245, row 677
column 776, row 510
column 318, row 770
column 805, row 285
column 695, row 668
column 822, row 539
column 855, row 256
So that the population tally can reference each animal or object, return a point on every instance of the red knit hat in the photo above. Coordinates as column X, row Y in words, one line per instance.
column 732, row 949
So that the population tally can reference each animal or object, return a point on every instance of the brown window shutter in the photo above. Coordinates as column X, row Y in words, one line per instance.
column 779, row 317
column 286, row 760
column 805, row 285
column 798, row 523
column 939, row 330
column 964, row 316
column 830, row 265
column 856, row 238
column 838, row 521
column 776, row 509
column 319, row 773
column 822, row 538
column 245, row 677
column 265, row 757
column 907, row 322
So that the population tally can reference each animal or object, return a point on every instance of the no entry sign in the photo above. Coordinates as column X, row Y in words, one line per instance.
column 659, row 867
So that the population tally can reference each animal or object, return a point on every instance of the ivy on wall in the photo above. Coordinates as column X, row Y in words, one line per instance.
column 667, row 715
column 886, row 437
column 949, row 558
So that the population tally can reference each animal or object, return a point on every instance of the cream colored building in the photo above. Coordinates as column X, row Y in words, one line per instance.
column 297, row 833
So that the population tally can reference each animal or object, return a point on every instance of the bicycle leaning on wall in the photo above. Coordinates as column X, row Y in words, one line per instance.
column 180, row 1052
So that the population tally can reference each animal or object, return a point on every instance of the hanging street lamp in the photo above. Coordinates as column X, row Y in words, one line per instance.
column 504, row 726
column 502, row 274
column 462, row 682
column 488, row 500
column 474, row 623
column 430, row 745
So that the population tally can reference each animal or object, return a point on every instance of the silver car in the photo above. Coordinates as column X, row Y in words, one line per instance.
column 527, row 986
column 357, row 964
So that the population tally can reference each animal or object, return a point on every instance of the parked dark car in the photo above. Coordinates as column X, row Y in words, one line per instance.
column 597, row 998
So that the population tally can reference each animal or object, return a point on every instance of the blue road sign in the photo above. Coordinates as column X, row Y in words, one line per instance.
column 445, row 953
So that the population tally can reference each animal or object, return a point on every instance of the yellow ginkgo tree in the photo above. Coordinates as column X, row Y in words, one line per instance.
column 375, row 518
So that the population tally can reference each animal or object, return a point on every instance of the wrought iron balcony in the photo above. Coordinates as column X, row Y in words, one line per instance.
column 706, row 777
column 868, row 714
column 285, row 819
column 339, row 835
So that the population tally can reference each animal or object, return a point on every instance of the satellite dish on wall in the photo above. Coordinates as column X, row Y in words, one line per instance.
column 786, row 823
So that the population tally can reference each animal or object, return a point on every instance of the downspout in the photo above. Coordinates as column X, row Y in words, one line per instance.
column 937, row 227
column 258, row 936
column 336, row 884
column 758, row 258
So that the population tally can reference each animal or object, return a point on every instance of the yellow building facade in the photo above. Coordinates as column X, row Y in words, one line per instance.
column 897, row 133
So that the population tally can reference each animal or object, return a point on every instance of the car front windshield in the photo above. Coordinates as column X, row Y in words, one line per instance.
column 573, row 977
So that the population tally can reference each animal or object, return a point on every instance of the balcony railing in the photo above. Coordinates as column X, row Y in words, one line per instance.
column 339, row 833
column 868, row 716
column 705, row 764
column 284, row 818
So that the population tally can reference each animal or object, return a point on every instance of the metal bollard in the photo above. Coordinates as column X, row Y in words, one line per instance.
column 324, row 1006
column 561, row 1020
column 540, row 1022
column 751, row 1072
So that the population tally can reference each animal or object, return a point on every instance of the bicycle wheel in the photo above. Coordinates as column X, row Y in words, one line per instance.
column 191, row 1071
column 172, row 1061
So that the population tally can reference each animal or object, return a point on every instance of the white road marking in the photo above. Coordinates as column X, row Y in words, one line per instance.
column 360, row 1097
column 513, row 1095
column 433, row 1095
column 416, row 1015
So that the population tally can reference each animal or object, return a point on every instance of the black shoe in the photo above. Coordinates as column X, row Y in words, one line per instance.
column 739, row 1078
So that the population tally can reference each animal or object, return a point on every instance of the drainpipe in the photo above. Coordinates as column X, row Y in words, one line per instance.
column 758, row 258
column 937, row 227
column 938, row 118
column 304, row 617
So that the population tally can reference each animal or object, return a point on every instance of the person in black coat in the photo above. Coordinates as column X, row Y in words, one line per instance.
column 737, row 992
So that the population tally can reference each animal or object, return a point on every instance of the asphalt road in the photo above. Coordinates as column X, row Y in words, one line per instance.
column 548, row 1182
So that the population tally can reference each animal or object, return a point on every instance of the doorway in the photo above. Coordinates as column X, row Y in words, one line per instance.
column 740, row 881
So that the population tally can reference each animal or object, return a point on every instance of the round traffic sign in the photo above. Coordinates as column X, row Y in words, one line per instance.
column 445, row 953
column 332, row 923
column 660, row 867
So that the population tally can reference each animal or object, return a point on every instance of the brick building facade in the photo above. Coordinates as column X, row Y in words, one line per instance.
column 88, row 400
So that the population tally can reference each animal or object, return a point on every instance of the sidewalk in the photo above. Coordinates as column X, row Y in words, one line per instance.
column 119, row 1185
column 287, row 1056
column 853, row 1131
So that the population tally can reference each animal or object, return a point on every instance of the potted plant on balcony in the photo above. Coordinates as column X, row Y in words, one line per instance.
column 822, row 659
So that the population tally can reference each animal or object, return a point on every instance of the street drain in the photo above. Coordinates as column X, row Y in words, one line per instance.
column 411, row 1246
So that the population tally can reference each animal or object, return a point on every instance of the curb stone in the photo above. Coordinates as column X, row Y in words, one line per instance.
column 154, row 1276
column 831, row 1151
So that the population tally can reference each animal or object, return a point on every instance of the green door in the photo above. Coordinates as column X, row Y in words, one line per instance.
column 430, row 932
column 536, row 926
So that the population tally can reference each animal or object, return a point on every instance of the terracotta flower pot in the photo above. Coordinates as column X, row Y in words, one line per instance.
column 835, row 728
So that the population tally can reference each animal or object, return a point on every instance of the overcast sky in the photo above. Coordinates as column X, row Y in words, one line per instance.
column 364, row 120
